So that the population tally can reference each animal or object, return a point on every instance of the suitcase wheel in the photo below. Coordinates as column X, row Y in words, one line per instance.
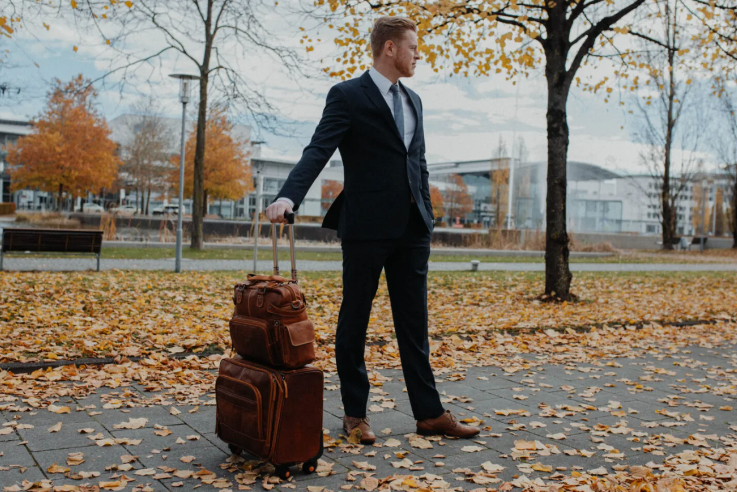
column 283, row 472
column 235, row 449
column 309, row 467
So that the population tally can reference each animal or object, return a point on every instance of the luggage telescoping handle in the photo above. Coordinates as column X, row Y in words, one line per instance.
column 290, row 221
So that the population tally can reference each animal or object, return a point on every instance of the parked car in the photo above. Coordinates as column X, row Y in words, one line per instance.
column 126, row 210
column 92, row 208
column 166, row 210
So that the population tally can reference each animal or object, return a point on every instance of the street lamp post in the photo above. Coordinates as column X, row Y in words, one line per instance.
column 185, row 85
column 257, row 216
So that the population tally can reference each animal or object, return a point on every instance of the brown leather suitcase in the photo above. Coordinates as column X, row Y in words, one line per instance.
column 269, row 323
column 275, row 415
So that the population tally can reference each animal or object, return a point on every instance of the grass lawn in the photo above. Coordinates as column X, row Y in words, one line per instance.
column 265, row 254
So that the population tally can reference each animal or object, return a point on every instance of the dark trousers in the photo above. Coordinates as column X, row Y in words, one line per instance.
column 405, row 262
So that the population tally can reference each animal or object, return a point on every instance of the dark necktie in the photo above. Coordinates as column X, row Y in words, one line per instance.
column 399, row 117
column 398, row 114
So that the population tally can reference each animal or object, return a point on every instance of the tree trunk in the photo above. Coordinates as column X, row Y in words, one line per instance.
column 667, row 203
column 148, row 202
column 557, row 274
column 198, row 192
column 58, row 203
column 204, row 203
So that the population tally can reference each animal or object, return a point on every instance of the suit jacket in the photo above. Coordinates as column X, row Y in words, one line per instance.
column 380, row 172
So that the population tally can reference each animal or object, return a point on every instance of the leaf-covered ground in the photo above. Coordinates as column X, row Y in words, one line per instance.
column 50, row 316
column 484, row 328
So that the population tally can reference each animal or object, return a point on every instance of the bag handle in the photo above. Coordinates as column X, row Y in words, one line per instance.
column 268, row 278
column 290, row 221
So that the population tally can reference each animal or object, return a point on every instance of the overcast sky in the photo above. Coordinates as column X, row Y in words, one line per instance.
column 464, row 117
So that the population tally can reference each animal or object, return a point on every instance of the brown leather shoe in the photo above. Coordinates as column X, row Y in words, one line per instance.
column 446, row 424
column 350, row 423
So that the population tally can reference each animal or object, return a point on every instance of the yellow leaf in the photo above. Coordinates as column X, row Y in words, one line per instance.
column 56, row 409
column 74, row 4
column 410, row 482
column 355, row 437
column 129, row 4
column 57, row 469
column 542, row 468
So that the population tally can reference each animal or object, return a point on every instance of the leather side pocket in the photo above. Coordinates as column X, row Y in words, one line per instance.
column 250, row 337
column 299, row 343
column 239, row 407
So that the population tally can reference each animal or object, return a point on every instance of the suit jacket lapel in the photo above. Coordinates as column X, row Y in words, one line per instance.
column 375, row 96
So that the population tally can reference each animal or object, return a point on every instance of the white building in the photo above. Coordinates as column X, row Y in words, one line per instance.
column 598, row 200
column 10, row 130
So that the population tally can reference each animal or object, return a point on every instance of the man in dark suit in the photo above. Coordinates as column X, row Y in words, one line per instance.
column 384, row 219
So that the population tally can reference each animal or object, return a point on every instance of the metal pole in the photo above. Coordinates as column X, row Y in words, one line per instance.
column 703, row 213
column 509, row 196
column 510, row 217
column 178, row 260
column 259, row 182
column 714, row 213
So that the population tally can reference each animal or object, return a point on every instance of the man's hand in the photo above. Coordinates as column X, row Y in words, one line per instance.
column 275, row 211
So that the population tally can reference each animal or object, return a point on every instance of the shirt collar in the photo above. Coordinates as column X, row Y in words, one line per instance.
column 381, row 82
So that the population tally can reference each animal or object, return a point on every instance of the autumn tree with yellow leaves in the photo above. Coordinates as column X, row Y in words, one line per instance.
column 438, row 204
column 513, row 38
column 458, row 201
column 330, row 191
column 26, row 14
column 227, row 170
column 70, row 150
column 215, row 38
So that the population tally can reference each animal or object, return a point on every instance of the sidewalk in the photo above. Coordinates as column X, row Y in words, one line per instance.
column 327, row 248
column 14, row 263
column 598, row 418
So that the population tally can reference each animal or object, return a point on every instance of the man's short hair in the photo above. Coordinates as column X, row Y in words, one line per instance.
column 389, row 28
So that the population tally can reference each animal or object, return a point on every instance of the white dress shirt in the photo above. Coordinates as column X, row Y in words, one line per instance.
column 410, row 122
column 384, row 84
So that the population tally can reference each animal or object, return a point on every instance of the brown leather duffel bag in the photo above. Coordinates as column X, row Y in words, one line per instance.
column 269, row 323
column 274, row 415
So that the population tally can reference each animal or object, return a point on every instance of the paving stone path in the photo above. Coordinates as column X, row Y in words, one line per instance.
column 627, row 411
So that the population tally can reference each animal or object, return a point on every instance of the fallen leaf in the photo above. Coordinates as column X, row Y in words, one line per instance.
column 471, row 449
column 132, row 424
column 369, row 483
column 57, row 469
column 56, row 409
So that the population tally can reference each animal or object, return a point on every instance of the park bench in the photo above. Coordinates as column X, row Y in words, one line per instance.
column 674, row 241
column 696, row 241
column 51, row 241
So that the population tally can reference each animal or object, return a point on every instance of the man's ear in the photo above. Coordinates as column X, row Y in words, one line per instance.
column 389, row 47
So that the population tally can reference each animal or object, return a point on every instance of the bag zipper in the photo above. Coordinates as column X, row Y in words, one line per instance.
column 284, row 381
